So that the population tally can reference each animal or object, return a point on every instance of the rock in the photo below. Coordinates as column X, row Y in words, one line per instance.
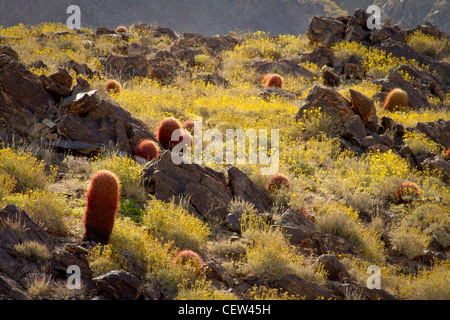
column 9, row 52
column 297, row 219
column 9, row 264
column 330, row 77
column 136, row 49
column 398, row 49
column 72, row 127
column 355, row 32
column 354, row 129
column 438, row 131
column 82, row 69
column 321, row 56
column 361, row 16
column 353, row 71
column 127, row 67
column 329, row 101
column 325, row 30
column 120, row 285
column 216, row 271
column 92, row 123
column 331, row 264
column 427, row 82
column 80, row 86
column 155, row 31
column 23, row 100
column 77, row 147
column 56, row 90
column 295, row 285
column 205, row 188
column 283, row 66
column 296, row 235
column 11, row 290
column 380, row 35
column 215, row 44
column 439, row 165
column 328, row 243
column 365, row 108
column 61, row 258
column 103, row 30
column 268, row 92
column 214, row 79
column 39, row 64
column 62, row 78
column 243, row 188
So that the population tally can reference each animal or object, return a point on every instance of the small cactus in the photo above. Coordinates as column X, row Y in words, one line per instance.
column 447, row 155
column 189, row 125
column 113, row 86
column 396, row 99
column 102, row 198
column 278, row 182
column 273, row 80
column 407, row 191
column 164, row 133
column 189, row 257
column 121, row 29
column 147, row 149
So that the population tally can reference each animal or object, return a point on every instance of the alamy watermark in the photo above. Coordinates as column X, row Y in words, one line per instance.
column 231, row 150
column 74, row 20
column 374, row 281
column 374, row 21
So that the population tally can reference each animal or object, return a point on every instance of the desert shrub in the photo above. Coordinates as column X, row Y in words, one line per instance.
column 269, row 252
column 172, row 222
column 32, row 250
column 342, row 221
column 39, row 285
column 427, row 44
column 103, row 259
column 428, row 284
column 264, row 293
column 259, row 45
column 202, row 290
column 45, row 208
column 239, row 207
column 7, row 184
column 420, row 143
column 27, row 171
column 128, row 172
column 409, row 240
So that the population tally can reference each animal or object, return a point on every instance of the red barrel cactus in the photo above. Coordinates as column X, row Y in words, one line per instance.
column 121, row 29
column 113, row 86
column 273, row 80
column 164, row 132
column 407, row 191
column 278, row 182
column 189, row 257
column 147, row 149
column 102, row 199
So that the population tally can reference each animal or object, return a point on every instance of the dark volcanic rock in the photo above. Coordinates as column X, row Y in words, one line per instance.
column 205, row 188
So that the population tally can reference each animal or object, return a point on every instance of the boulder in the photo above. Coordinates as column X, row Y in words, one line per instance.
column 9, row 264
column 9, row 52
column 296, row 286
column 330, row 77
column 331, row 264
column 127, row 67
column 11, row 290
column 321, row 56
column 365, row 108
column 205, row 188
column 325, row 30
column 354, row 129
column 120, row 285
column 23, row 100
column 437, row 165
column 243, row 188
column 438, row 131
column 155, row 31
column 329, row 101
column 214, row 79
column 283, row 66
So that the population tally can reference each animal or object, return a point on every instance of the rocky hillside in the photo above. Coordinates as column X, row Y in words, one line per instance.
column 364, row 179
column 219, row 17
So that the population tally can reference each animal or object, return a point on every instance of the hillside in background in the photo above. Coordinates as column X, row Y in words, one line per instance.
column 218, row 17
